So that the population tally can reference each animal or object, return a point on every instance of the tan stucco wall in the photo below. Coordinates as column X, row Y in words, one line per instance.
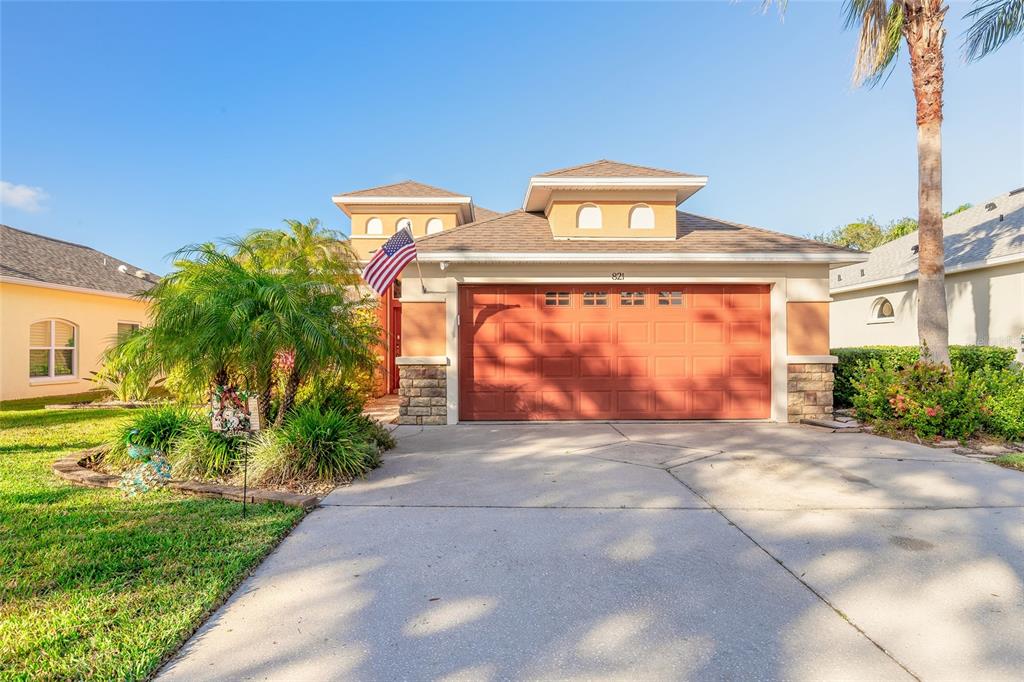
column 423, row 329
column 986, row 307
column 615, row 207
column 96, row 317
column 789, row 283
column 389, row 216
column 808, row 327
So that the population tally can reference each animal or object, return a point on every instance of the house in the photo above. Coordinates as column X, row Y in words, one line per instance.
column 875, row 302
column 599, row 299
column 61, row 306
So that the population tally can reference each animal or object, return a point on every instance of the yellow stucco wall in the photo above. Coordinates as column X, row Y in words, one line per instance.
column 615, row 208
column 418, row 215
column 95, row 316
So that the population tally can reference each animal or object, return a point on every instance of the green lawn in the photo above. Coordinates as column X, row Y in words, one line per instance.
column 94, row 585
column 1015, row 461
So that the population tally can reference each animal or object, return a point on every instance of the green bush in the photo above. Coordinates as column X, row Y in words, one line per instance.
column 157, row 428
column 314, row 445
column 200, row 452
column 936, row 402
column 1005, row 416
column 853, row 361
column 330, row 391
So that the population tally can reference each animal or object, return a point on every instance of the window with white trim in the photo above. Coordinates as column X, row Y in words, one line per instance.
column 403, row 224
column 374, row 226
column 434, row 225
column 53, row 351
column 125, row 329
column 641, row 217
column 589, row 217
column 882, row 310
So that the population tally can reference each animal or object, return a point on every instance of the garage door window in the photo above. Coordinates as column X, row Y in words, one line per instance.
column 557, row 298
column 670, row 298
column 631, row 298
column 599, row 298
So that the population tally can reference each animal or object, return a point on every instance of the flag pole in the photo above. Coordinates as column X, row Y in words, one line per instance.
column 423, row 286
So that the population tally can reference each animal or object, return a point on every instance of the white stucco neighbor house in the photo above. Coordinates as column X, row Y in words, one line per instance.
column 875, row 302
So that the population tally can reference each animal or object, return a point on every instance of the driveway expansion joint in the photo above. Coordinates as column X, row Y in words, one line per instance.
column 512, row 506
column 798, row 578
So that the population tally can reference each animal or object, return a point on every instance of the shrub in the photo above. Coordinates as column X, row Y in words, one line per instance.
column 929, row 399
column 331, row 391
column 1006, row 402
column 853, row 361
column 200, row 452
column 314, row 445
column 157, row 427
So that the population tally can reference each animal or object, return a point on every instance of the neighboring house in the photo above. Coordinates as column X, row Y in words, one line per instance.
column 875, row 302
column 61, row 306
column 599, row 300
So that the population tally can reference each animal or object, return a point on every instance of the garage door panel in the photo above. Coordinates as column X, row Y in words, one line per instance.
column 647, row 352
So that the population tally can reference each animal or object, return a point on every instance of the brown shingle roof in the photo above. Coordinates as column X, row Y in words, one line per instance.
column 29, row 256
column 529, row 233
column 604, row 168
column 406, row 188
column 481, row 213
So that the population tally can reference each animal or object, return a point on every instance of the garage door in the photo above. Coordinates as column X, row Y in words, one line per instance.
column 625, row 352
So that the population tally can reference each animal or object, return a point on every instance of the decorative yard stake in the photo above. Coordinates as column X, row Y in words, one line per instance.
column 236, row 412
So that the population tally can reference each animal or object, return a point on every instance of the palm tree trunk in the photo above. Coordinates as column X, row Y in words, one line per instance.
column 925, row 34
column 291, row 387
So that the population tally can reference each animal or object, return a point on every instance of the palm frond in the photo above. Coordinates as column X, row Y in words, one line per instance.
column 994, row 22
column 881, row 30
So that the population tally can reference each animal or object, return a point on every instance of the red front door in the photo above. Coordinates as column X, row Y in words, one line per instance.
column 667, row 351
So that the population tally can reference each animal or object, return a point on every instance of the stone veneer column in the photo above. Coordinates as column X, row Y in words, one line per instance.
column 810, row 391
column 423, row 393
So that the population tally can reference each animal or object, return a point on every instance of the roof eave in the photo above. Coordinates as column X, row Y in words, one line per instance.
column 540, row 188
column 911, row 276
column 618, row 257
column 6, row 279
column 464, row 204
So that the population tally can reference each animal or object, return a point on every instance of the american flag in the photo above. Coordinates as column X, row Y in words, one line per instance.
column 387, row 263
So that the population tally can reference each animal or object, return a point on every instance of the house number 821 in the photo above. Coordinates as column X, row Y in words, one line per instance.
column 618, row 275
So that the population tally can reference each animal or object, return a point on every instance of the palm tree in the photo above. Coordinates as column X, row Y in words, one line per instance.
column 995, row 22
column 330, row 332
column 884, row 25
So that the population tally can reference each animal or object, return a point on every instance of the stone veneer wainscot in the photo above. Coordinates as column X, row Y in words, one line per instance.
column 810, row 391
column 423, row 392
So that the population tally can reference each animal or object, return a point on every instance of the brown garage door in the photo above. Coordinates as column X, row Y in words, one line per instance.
column 681, row 351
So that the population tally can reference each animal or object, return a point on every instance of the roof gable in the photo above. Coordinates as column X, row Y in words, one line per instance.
column 33, row 257
column 406, row 188
column 605, row 168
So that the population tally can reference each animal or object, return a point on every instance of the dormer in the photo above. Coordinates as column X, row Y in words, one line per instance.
column 377, row 213
column 611, row 200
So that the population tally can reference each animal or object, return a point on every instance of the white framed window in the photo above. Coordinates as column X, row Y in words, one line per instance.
column 641, row 217
column 53, row 350
column 882, row 310
column 403, row 224
column 589, row 217
column 374, row 226
column 434, row 225
column 126, row 328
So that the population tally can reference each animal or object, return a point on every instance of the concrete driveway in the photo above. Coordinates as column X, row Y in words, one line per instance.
column 636, row 551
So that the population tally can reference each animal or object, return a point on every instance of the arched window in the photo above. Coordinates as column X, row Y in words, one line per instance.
column 589, row 217
column 403, row 224
column 882, row 310
column 641, row 217
column 434, row 226
column 52, row 351
column 374, row 226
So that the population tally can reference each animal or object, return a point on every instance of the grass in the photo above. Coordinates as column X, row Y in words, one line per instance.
column 1014, row 461
column 95, row 585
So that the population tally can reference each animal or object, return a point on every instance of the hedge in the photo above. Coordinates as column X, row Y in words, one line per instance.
column 852, row 359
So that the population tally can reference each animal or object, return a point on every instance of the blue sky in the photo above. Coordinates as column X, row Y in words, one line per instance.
column 148, row 126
